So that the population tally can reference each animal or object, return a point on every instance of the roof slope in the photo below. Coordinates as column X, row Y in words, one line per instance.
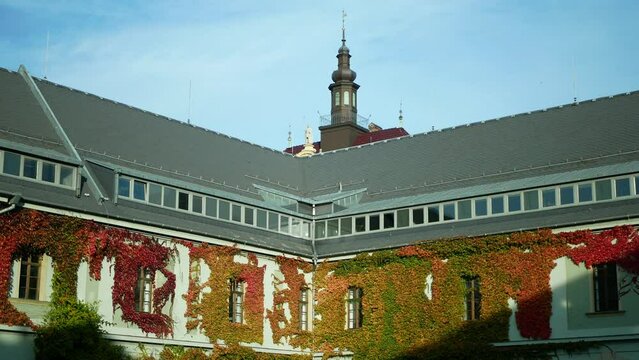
column 515, row 147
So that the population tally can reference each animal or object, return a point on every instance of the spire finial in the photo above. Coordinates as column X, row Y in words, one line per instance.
column 290, row 138
column 401, row 116
column 343, row 27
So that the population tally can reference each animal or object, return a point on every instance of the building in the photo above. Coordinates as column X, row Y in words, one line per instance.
column 433, row 246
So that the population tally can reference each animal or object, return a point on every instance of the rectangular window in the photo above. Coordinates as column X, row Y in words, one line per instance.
column 139, row 190
column 183, row 201
column 637, row 185
column 296, row 227
column 549, row 197
column 603, row 189
column 320, row 229
column 261, row 218
column 402, row 218
column 196, row 203
column 30, row 168
column 497, row 205
column 481, row 207
column 304, row 309
column 236, row 213
column 224, row 210
column 418, row 216
column 514, row 202
column 531, row 200
column 11, row 163
column 29, row 277
column 144, row 291
column 449, row 212
column 585, row 192
column 248, row 215
column 169, row 197
column 433, row 214
column 360, row 224
column 354, row 308
column 306, row 229
column 211, row 207
column 389, row 220
column 332, row 227
column 622, row 187
column 66, row 175
column 605, row 286
column 464, row 209
column 124, row 187
column 472, row 298
column 567, row 195
column 273, row 221
column 346, row 226
column 48, row 172
column 284, row 224
column 155, row 194
column 373, row 222
column 236, row 301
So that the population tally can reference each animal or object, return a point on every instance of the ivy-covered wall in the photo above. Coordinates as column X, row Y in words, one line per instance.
column 413, row 297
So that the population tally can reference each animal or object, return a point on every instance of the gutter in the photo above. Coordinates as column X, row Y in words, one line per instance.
column 13, row 203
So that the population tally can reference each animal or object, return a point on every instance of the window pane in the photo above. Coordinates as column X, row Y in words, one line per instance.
column 332, row 226
column 433, row 214
column 389, row 220
column 211, row 207
column 360, row 224
column 306, row 229
column 30, row 168
column 549, row 197
column 585, row 192
column 402, row 218
column 169, row 197
column 449, row 212
column 464, row 207
column 273, row 221
column 139, row 190
column 48, row 172
column 373, row 222
column 514, row 202
column 320, row 229
column 183, row 200
column 637, row 185
column 603, row 189
column 224, row 211
column 261, row 218
column 418, row 216
column 567, row 195
column 155, row 194
column 248, row 215
column 481, row 207
column 531, row 200
column 196, row 204
column 497, row 205
column 296, row 228
column 236, row 214
column 11, row 164
column 346, row 226
column 124, row 185
column 622, row 187
column 284, row 224
column 66, row 175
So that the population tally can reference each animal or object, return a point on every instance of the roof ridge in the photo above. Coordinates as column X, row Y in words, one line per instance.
column 159, row 115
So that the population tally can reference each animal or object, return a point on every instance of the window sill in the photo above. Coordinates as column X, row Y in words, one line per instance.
column 606, row 313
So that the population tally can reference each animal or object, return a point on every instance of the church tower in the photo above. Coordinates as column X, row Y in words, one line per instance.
column 343, row 129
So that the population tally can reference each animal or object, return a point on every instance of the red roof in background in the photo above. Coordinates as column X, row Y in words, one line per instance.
column 297, row 148
column 367, row 138
column 380, row 135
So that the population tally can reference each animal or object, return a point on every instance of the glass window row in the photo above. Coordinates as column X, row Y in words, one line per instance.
column 40, row 170
column 178, row 199
column 485, row 206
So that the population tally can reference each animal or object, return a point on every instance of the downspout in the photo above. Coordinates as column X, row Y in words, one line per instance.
column 313, row 241
column 13, row 203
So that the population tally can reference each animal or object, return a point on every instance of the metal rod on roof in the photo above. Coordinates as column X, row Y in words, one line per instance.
column 46, row 56
column 188, row 118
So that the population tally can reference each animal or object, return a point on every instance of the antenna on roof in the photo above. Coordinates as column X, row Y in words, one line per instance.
column 290, row 137
column 574, row 81
column 401, row 115
column 188, row 118
column 46, row 56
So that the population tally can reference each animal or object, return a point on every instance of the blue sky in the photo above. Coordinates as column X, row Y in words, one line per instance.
column 258, row 67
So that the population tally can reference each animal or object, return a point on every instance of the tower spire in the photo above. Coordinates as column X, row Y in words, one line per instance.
column 343, row 28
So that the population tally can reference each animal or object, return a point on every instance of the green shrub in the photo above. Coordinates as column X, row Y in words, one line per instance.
column 72, row 331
